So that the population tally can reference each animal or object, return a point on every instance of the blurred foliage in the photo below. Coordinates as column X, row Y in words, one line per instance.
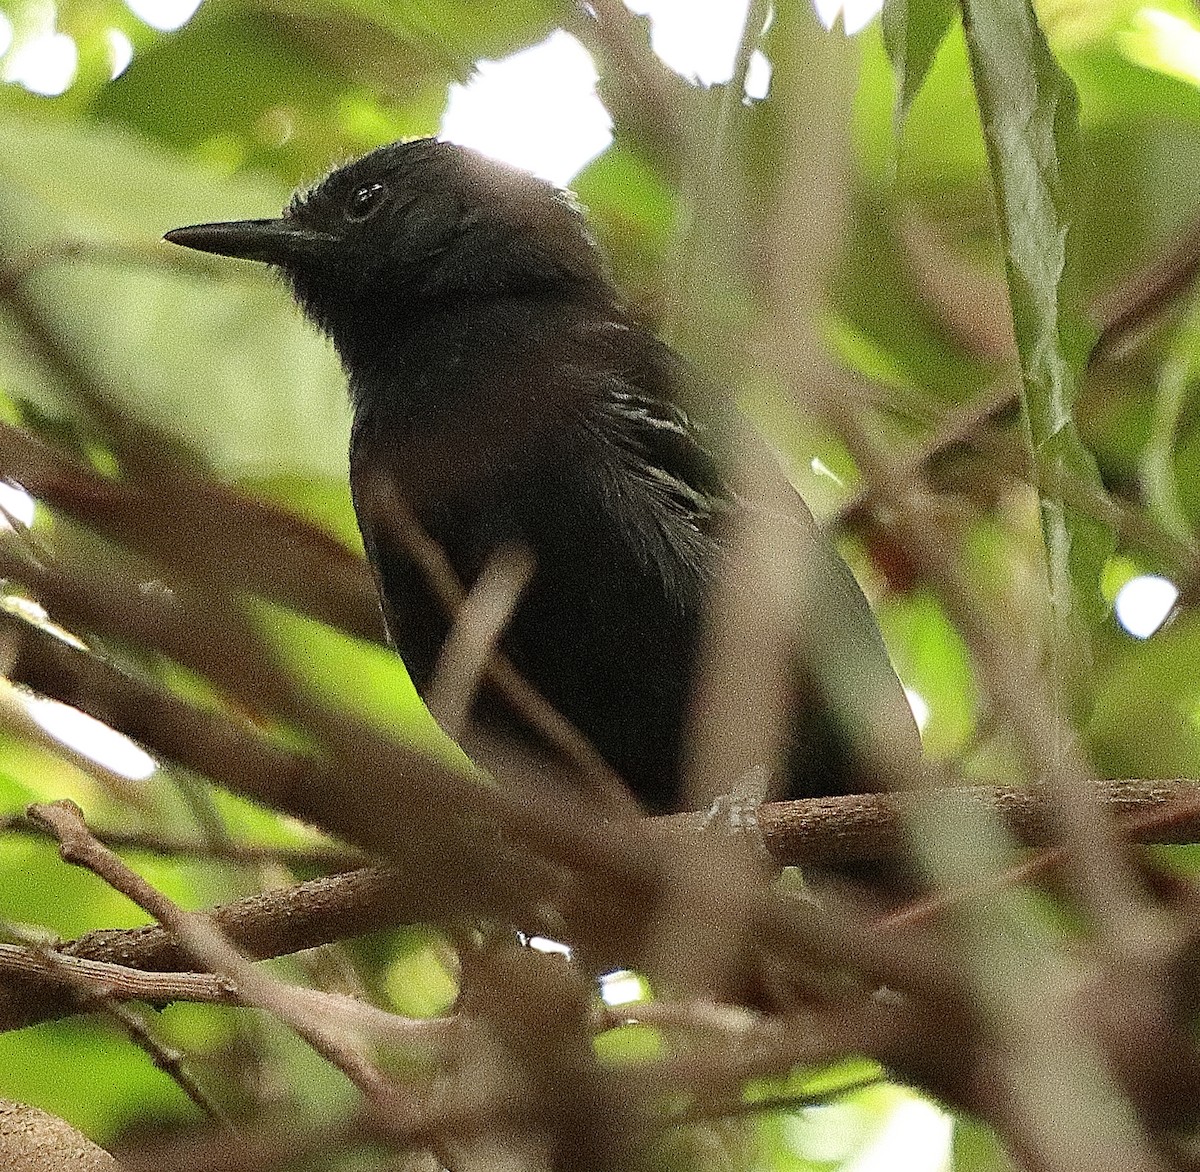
column 221, row 118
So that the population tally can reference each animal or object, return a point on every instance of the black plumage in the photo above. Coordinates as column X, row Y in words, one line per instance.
column 501, row 386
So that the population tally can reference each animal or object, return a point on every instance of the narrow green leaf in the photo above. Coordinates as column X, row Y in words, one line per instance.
column 1030, row 120
column 1157, row 466
column 912, row 33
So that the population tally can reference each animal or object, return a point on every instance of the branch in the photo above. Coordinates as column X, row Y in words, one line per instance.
column 813, row 832
column 644, row 97
column 277, row 555
column 235, row 853
column 205, row 944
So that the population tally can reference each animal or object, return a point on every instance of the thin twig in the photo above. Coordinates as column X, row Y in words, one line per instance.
column 37, row 957
column 208, row 945
column 167, row 1059
column 329, row 859
column 525, row 701
column 475, row 636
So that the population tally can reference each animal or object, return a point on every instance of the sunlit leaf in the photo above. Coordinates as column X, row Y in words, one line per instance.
column 913, row 31
column 216, row 354
column 1030, row 124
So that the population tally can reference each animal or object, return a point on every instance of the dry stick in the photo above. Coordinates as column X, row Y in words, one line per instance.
column 100, row 979
column 526, row 702
column 104, row 982
column 80, row 980
column 273, row 923
column 475, row 636
column 1156, row 823
column 328, row 859
column 204, row 941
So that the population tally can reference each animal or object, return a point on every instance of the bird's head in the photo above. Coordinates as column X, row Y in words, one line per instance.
column 411, row 224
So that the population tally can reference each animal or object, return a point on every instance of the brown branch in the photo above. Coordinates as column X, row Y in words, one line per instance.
column 812, row 832
column 245, row 854
column 277, row 554
column 102, row 978
column 204, row 942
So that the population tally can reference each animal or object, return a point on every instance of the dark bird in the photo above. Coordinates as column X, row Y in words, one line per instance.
column 504, row 390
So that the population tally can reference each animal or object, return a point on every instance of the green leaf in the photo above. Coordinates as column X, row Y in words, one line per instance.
column 1030, row 121
column 357, row 677
column 261, row 93
column 215, row 353
column 913, row 33
column 931, row 658
column 976, row 1149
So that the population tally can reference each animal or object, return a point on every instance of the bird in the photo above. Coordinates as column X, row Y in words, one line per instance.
column 505, row 390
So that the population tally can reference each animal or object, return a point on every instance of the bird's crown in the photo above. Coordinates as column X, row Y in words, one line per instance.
column 440, row 218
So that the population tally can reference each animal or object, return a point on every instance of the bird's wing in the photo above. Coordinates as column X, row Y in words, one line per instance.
column 657, row 481
column 840, row 644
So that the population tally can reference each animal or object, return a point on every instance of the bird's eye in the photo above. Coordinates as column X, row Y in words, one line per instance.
column 364, row 199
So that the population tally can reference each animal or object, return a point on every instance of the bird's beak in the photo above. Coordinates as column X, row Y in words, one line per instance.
column 277, row 242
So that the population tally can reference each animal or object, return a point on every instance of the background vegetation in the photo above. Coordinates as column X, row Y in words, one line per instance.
column 850, row 251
